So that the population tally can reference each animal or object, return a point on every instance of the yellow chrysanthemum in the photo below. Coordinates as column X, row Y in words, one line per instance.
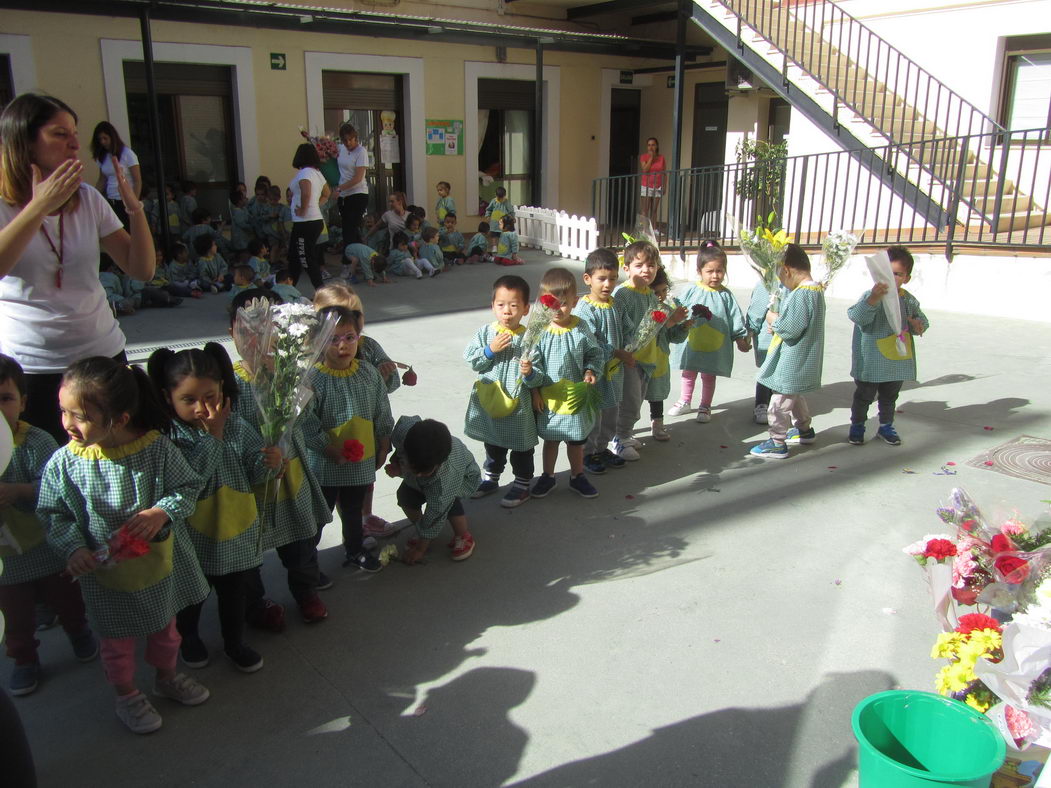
column 976, row 704
column 987, row 639
column 946, row 645
column 973, row 651
column 953, row 678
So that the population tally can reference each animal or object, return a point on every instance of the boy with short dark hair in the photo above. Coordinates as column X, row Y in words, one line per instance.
column 211, row 267
column 285, row 289
column 477, row 249
column 451, row 241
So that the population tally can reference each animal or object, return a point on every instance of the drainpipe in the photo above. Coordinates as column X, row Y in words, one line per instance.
column 538, row 124
column 155, row 127
column 674, row 185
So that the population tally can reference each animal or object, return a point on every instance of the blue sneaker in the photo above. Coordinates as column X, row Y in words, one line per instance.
column 857, row 434
column 85, row 646
column 770, row 450
column 611, row 460
column 487, row 486
column 516, row 496
column 24, row 679
column 543, row 486
column 580, row 485
column 795, row 436
column 593, row 464
column 889, row 434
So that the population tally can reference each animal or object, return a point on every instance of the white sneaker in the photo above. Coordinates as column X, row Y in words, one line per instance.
column 138, row 713
column 760, row 414
column 679, row 408
column 188, row 691
column 658, row 431
column 623, row 450
column 704, row 415
column 634, row 443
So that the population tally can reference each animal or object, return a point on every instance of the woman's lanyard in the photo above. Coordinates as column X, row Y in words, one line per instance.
column 59, row 251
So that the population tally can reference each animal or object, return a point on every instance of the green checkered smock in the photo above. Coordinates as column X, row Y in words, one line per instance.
column 371, row 351
column 516, row 431
column 33, row 558
column 793, row 363
column 363, row 254
column 658, row 385
column 604, row 323
column 709, row 347
column 350, row 404
column 755, row 320
column 457, row 477
column 874, row 354
column 292, row 507
column 632, row 305
column 224, row 528
column 563, row 356
column 88, row 492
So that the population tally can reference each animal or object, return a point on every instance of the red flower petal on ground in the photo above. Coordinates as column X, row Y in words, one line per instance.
column 550, row 301
column 659, row 317
column 974, row 621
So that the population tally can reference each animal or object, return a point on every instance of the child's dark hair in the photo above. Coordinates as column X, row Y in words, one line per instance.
column 446, row 185
column 399, row 239
column 343, row 315
column 260, row 182
column 12, row 370
column 245, row 296
column 515, row 283
column 203, row 243
column 236, row 196
column 501, row 192
column 255, row 246
column 167, row 369
column 508, row 223
column 899, row 254
column 795, row 258
column 427, row 445
column 429, row 234
column 709, row 252
column 601, row 259
column 113, row 388
column 199, row 216
column 483, row 227
column 187, row 186
column 645, row 248
column 245, row 270
column 281, row 274
column 418, row 211
column 412, row 219
column 560, row 283
column 177, row 248
column 379, row 264
column 450, row 215
column 660, row 279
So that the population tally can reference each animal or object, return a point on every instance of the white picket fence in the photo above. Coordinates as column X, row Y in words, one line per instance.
column 556, row 232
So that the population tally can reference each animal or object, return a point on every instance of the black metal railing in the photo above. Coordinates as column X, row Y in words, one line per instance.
column 862, row 71
column 989, row 189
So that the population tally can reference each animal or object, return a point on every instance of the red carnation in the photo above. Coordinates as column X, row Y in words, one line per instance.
column 659, row 317
column 353, row 450
column 409, row 378
column 975, row 621
column 939, row 549
column 550, row 301
column 124, row 546
column 1001, row 544
column 700, row 311
column 1013, row 568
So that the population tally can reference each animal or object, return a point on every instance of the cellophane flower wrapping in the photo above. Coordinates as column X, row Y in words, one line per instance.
column 540, row 316
column 326, row 147
column 120, row 546
column 879, row 268
column 281, row 343
column 764, row 249
column 648, row 330
column 643, row 231
column 836, row 249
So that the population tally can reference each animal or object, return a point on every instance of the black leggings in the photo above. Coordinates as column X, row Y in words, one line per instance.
column 300, row 560
column 230, row 593
column 350, row 500
column 351, row 210
column 303, row 251
column 656, row 409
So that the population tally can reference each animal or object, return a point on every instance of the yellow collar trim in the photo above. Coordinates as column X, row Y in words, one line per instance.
column 21, row 430
column 339, row 373
column 815, row 287
column 599, row 304
column 703, row 286
column 113, row 452
column 639, row 290
column 241, row 372
column 553, row 329
column 499, row 329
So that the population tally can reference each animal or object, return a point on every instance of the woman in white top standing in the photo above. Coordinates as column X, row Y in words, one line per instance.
column 107, row 146
column 53, row 310
column 353, row 189
column 309, row 190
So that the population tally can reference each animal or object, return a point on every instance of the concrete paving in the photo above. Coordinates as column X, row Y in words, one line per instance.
column 710, row 619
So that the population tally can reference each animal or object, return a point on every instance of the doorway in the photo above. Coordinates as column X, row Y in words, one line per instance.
column 625, row 116
column 705, row 189
column 506, row 110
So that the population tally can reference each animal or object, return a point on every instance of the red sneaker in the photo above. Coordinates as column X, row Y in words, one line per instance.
column 463, row 546
column 313, row 609
column 266, row 615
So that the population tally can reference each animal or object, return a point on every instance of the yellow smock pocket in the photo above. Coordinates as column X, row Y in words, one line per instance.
column 611, row 368
column 705, row 339
column 173, row 221
column 225, row 514
column 494, row 219
column 136, row 574
column 23, row 527
column 663, row 367
column 566, row 398
column 495, row 400
column 357, row 429
column 888, row 346
column 287, row 487
column 774, row 343
column 649, row 354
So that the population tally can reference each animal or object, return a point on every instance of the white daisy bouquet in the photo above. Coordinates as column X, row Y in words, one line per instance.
column 837, row 248
column 281, row 343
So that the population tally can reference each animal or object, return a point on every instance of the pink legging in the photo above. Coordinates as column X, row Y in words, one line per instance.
column 689, row 379
column 118, row 654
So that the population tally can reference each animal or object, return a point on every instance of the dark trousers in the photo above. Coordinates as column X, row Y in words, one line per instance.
column 18, row 603
column 303, row 251
column 230, row 594
column 885, row 393
column 762, row 394
column 656, row 409
column 349, row 501
column 300, row 560
column 118, row 208
column 42, row 402
column 522, row 464
column 351, row 211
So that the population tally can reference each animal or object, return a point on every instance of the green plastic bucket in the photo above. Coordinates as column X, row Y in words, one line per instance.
column 909, row 738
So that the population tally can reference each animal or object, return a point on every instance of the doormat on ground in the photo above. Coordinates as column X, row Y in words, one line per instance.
column 1025, row 457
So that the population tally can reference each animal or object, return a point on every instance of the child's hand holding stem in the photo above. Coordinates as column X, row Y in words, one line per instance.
column 625, row 357
column 589, row 377
column 677, row 316
column 878, row 291
column 146, row 523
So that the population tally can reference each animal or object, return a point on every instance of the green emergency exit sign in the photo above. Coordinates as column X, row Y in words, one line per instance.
column 277, row 61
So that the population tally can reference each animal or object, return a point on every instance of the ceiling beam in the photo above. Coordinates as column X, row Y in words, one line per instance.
column 660, row 16
column 610, row 7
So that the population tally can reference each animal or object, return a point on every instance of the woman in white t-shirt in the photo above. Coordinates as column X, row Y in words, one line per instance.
column 53, row 310
column 353, row 189
column 309, row 189
column 107, row 146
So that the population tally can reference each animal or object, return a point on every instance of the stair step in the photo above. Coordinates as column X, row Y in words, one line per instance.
column 979, row 187
column 1023, row 221
column 1011, row 203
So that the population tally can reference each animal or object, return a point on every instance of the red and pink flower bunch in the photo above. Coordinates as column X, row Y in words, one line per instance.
column 326, row 147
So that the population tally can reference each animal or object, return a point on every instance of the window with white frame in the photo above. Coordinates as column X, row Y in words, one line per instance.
column 1027, row 83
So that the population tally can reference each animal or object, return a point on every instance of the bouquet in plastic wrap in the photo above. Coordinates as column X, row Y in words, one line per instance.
column 121, row 546
column 837, row 248
column 879, row 267
column 540, row 316
column 764, row 248
column 280, row 344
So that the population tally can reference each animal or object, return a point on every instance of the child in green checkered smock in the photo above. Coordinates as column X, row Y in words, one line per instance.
column 658, row 386
column 500, row 409
column 445, row 204
column 568, row 361
column 119, row 478
column 878, row 364
column 760, row 334
column 708, row 350
column 438, row 472
column 228, row 453
column 353, row 413
column 793, row 363
column 31, row 569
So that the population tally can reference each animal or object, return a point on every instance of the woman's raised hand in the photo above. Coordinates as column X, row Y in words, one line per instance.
column 52, row 192
column 132, row 204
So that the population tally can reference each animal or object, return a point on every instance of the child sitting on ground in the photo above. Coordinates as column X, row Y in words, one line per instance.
column 415, row 234
column 451, row 241
column 430, row 258
column 212, row 271
column 244, row 279
column 658, row 386
column 793, row 363
column 162, row 281
column 120, row 303
column 201, row 226
column 182, row 272
column 240, row 225
column 188, row 206
column 259, row 259
column 281, row 222
column 477, row 250
column 507, row 243
column 363, row 262
column 498, row 208
column 283, row 287
column 32, row 569
column 707, row 350
column 399, row 261
column 438, row 472
column 500, row 412
column 569, row 361
column 445, row 204
column 877, row 364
